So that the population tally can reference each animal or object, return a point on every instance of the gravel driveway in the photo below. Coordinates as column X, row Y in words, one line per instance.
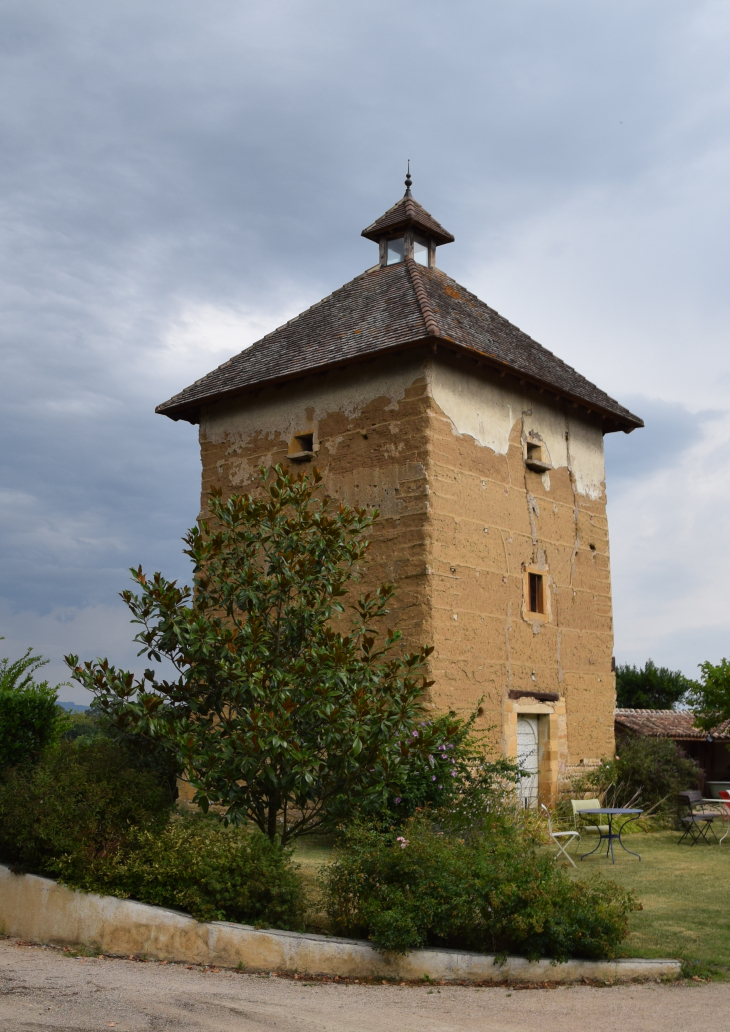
column 42, row 988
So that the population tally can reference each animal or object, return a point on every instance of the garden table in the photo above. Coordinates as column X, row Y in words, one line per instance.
column 723, row 805
column 611, row 812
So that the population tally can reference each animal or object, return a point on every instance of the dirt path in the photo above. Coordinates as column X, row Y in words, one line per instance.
column 45, row 989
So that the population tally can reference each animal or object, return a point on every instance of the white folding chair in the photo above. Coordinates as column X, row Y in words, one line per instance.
column 725, row 797
column 556, row 836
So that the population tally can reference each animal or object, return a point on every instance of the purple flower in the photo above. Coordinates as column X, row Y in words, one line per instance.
column 397, row 800
column 433, row 778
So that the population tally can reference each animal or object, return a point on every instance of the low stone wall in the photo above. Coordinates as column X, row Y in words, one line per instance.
column 40, row 910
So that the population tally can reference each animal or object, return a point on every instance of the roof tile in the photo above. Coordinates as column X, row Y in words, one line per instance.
column 667, row 724
column 390, row 308
column 407, row 211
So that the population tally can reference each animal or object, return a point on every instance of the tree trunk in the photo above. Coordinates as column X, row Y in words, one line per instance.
column 271, row 823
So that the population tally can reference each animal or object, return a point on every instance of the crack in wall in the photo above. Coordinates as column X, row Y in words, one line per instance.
column 574, row 489
column 507, row 629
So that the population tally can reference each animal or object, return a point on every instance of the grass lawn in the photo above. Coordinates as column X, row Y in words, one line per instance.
column 684, row 891
column 312, row 853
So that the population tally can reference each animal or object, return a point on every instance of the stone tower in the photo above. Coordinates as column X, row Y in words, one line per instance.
column 483, row 453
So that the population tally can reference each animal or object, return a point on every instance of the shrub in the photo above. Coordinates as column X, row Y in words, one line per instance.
column 80, row 800
column 143, row 753
column 647, row 772
column 87, row 815
column 29, row 716
column 495, row 894
column 80, row 725
column 198, row 865
column 469, row 792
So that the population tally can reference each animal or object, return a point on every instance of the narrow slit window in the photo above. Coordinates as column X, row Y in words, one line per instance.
column 396, row 251
column 420, row 251
column 537, row 593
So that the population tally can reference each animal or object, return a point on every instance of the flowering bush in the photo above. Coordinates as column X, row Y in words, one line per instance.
column 454, row 778
column 493, row 894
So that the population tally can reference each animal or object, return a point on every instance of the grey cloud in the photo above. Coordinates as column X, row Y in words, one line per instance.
column 161, row 155
column 670, row 429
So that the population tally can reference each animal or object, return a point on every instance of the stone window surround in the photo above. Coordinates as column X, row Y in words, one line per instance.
column 527, row 613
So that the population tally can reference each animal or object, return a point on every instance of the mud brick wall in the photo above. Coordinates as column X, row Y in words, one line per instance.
column 437, row 445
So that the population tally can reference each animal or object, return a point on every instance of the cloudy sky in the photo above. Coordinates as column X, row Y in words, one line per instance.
column 178, row 178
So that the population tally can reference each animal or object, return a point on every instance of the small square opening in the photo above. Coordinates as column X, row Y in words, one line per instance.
column 301, row 446
column 536, row 457
column 536, row 593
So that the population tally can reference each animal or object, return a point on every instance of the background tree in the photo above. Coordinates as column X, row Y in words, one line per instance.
column 276, row 715
column 710, row 699
column 29, row 717
column 650, row 687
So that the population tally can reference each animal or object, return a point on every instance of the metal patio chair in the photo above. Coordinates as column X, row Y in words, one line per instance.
column 556, row 836
column 581, row 822
column 697, row 823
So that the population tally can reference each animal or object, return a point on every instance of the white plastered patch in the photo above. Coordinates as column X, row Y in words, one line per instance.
column 487, row 410
column 295, row 408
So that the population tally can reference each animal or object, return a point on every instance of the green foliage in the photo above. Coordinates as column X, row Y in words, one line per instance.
column 275, row 715
column 29, row 717
column 87, row 815
column 198, row 865
column 80, row 725
column 78, row 800
column 143, row 753
column 646, row 772
column 469, row 792
column 710, row 699
column 650, row 687
column 423, row 887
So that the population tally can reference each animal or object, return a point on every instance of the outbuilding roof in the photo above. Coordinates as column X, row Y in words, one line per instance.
column 388, row 309
column 676, row 724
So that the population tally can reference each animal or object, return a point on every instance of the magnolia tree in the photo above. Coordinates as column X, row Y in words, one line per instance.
column 278, row 713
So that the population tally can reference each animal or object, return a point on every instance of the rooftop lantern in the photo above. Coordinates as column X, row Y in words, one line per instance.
column 407, row 230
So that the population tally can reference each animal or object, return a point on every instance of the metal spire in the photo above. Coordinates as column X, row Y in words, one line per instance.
column 408, row 180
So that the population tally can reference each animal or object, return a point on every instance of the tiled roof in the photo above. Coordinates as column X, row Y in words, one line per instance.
column 387, row 309
column 666, row 724
column 405, row 212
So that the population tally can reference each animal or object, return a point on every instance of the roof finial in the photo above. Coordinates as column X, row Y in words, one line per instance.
column 408, row 180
